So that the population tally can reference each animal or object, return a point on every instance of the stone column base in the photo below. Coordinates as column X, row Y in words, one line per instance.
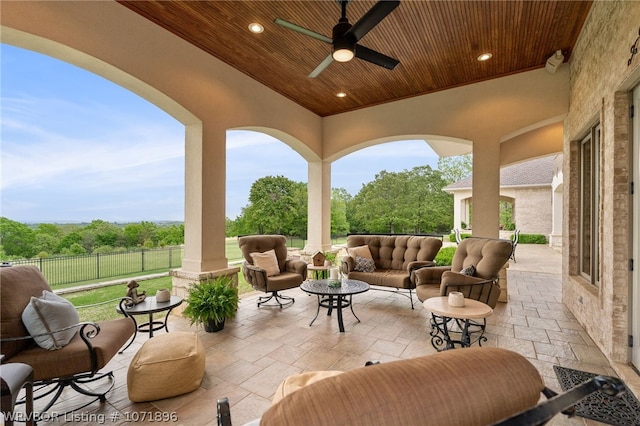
column 182, row 280
column 502, row 282
column 555, row 242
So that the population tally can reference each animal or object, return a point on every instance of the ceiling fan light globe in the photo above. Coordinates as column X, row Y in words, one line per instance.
column 343, row 55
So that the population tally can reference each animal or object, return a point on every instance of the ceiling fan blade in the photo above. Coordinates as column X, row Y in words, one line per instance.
column 302, row 30
column 374, row 57
column 321, row 67
column 377, row 13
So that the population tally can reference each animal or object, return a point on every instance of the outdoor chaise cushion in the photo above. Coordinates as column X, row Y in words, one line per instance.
column 474, row 386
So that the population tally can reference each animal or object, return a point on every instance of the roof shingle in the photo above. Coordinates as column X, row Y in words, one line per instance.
column 530, row 173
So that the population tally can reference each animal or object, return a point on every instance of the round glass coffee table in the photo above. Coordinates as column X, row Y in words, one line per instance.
column 334, row 297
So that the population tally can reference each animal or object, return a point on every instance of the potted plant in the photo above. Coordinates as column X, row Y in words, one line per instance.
column 212, row 301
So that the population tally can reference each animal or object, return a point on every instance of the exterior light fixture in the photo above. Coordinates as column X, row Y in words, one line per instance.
column 484, row 57
column 554, row 62
column 341, row 94
column 256, row 28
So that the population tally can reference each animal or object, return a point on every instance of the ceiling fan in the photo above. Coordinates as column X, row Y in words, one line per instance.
column 346, row 36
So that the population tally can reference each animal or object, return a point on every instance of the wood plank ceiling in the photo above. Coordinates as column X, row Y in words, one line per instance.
column 436, row 42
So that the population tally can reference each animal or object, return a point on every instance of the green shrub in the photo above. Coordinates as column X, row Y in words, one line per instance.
column 452, row 237
column 445, row 256
column 212, row 300
column 532, row 239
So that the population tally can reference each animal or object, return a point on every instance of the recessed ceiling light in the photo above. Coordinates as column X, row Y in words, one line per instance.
column 341, row 94
column 256, row 28
column 484, row 57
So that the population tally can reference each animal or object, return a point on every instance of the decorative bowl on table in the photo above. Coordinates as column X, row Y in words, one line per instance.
column 334, row 284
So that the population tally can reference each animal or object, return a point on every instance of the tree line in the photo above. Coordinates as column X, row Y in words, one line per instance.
column 410, row 201
column 19, row 240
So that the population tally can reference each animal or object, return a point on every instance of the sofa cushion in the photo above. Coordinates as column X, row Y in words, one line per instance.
column 267, row 261
column 49, row 313
column 362, row 264
column 384, row 278
column 362, row 251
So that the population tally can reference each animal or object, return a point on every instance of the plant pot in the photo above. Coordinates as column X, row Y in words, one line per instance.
column 213, row 327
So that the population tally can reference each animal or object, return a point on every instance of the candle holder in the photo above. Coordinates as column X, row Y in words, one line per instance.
column 456, row 299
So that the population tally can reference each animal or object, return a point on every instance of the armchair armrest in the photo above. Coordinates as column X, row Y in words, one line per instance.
column 428, row 275
column 257, row 277
column 348, row 264
column 450, row 278
column 297, row 266
column 418, row 264
column 485, row 290
column 89, row 329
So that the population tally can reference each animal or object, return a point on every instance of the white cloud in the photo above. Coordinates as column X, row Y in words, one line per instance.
column 76, row 147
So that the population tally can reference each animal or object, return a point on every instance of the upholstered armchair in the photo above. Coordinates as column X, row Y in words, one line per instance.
column 64, row 355
column 267, row 268
column 474, row 271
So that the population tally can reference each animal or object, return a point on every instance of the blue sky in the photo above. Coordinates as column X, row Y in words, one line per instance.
column 75, row 147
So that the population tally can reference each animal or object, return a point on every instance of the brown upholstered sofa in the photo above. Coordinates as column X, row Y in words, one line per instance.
column 394, row 257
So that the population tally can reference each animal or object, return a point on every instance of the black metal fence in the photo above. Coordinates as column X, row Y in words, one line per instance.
column 74, row 269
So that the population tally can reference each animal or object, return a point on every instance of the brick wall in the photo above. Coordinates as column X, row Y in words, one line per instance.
column 599, row 93
column 533, row 210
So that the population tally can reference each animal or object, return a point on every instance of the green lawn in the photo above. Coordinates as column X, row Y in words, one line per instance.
column 107, row 310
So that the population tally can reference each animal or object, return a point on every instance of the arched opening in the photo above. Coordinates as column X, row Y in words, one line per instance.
column 266, row 183
column 79, row 147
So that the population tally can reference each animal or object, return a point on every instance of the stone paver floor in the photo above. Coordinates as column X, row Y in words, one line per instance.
column 261, row 347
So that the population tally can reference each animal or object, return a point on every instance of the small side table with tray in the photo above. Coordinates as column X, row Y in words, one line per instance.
column 451, row 325
column 149, row 306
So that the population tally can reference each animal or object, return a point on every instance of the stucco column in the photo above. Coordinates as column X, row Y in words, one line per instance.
column 319, row 210
column 205, row 185
column 486, row 189
column 204, row 212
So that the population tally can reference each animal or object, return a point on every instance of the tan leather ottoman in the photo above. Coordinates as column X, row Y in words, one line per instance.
column 166, row 365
